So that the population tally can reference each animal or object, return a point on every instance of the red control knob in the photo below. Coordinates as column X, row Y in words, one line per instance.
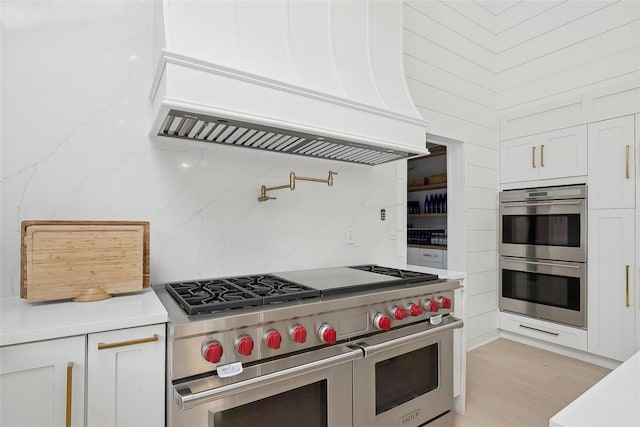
column 212, row 351
column 380, row 321
column 431, row 306
column 444, row 302
column 398, row 312
column 298, row 334
column 414, row 309
column 273, row 339
column 244, row 345
column 327, row 334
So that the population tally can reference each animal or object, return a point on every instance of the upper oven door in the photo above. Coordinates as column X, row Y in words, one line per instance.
column 312, row 389
column 550, row 229
column 406, row 376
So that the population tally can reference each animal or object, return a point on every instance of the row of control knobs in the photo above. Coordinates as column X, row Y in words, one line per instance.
column 212, row 350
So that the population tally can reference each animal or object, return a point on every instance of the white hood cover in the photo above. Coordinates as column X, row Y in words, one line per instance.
column 321, row 78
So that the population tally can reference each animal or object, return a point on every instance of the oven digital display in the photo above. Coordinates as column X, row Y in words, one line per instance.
column 405, row 377
column 303, row 406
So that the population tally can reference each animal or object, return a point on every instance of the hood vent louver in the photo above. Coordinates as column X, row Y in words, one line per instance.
column 319, row 78
column 203, row 128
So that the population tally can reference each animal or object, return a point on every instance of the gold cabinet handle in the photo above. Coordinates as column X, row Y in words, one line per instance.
column 103, row 346
column 533, row 156
column 540, row 330
column 627, row 285
column 627, row 161
column 69, row 391
column 542, row 155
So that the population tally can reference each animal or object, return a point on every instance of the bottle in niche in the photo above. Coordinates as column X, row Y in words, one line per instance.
column 426, row 204
column 444, row 205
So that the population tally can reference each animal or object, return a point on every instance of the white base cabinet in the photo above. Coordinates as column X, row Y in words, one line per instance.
column 40, row 380
column 426, row 257
column 123, row 385
column 113, row 379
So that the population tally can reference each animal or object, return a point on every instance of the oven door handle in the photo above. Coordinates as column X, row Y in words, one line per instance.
column 550, row 264
column 370, row 350
column 184, row 399
column 550, row 203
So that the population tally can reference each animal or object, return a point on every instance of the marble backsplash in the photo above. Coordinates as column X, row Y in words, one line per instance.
column 75, row 117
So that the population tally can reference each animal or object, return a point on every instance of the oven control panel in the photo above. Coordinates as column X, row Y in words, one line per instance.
column 283, row 336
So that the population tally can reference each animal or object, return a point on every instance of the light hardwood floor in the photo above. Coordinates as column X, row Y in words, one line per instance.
column 514, row 385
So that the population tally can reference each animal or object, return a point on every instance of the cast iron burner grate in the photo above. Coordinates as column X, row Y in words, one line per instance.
column 211, row 295
column 409, row 276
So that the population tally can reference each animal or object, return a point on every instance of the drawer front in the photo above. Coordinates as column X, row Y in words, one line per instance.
column 545, row 331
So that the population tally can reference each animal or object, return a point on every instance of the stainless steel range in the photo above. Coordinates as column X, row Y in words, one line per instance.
column 347, row 346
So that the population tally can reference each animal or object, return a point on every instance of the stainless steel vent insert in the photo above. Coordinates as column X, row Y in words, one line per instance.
column 204, row 128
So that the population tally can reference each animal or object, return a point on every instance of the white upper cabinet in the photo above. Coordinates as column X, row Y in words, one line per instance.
column 558, row 154
column 612, row 167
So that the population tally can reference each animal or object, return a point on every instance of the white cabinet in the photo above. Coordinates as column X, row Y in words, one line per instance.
column 434, row 258
column 558, row 154
column 43, row 383
column 120, row 373
column 611, row 180
column 125, row 385
column 611, row 283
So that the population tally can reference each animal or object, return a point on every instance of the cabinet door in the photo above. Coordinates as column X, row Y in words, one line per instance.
column 126, row 377
column 611, row 164
column 611, row 283
column 430, row 258
column 519, row 159
column 563, row 153
column 39, row 380
column 413, row 256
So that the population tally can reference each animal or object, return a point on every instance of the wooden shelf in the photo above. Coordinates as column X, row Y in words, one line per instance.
column 427, row 187
column 427, row 215
column 427, row 247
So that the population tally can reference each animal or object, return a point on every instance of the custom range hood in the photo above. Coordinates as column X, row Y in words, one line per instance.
column 320, row 78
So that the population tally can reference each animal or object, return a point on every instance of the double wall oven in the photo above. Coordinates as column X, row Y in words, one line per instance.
column 338, row 347
column 543, row 253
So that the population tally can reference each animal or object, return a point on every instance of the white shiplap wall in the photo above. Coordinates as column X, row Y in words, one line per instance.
column 547, row 51
column 450, row 66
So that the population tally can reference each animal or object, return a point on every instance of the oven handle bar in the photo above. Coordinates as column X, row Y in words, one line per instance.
column 551, row 203
column 550, row 264
column 370, row 350
column 191, row 400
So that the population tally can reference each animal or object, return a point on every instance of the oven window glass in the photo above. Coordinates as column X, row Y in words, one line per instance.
column 304, row 406
column 547, row 289
column 546, row 230
column 405, row 377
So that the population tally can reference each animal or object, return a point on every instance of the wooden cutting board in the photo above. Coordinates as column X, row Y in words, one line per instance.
column 85, row 260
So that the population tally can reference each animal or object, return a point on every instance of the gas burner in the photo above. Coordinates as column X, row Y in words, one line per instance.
column 211, row 295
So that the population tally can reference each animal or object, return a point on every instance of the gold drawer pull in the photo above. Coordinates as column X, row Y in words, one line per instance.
column 627, row 285
column 69, row 392
column 627, row 161
column 540, row 330
column 533, row 156
column 103, row 346
column 542, row 155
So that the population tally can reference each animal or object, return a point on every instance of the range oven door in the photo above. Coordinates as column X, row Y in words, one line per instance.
column 312, row 390
column 549, row 290
column 406, row 376
column 550, row 229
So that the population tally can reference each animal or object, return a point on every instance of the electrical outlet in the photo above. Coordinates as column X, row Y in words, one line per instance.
column 392, row 231
column 350, row 236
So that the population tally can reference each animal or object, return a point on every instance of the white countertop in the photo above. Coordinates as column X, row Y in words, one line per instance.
column 613, row 401
column 22, row 322
column 443, row 274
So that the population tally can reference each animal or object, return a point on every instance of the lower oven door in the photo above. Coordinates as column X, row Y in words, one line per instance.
column 313, row 389
column 406, row 376
column 544, row 289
